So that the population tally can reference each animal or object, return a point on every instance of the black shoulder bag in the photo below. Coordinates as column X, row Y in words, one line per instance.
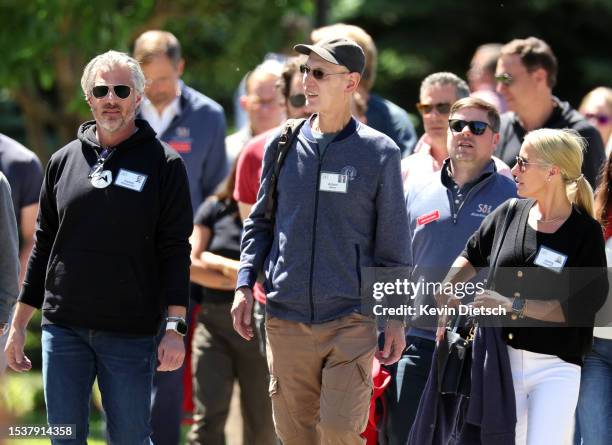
column 455, row 352
column 290, row 132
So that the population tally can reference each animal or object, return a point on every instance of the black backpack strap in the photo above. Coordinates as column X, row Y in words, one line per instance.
column 498, row 243
column 290, row 132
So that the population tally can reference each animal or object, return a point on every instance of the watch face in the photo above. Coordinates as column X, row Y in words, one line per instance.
column 181, row 327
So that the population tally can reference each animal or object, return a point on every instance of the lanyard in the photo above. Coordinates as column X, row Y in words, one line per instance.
column 99, row 165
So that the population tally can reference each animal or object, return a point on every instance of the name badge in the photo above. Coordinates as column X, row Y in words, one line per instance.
column 130, row 180
column 427, row 218
column 550, row 259
column 333, row 182
column 102, row 179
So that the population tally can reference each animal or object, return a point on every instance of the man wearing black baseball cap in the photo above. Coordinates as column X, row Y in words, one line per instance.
column 338, row 209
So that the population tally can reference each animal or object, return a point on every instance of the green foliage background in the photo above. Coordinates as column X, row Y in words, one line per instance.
column 46, row 43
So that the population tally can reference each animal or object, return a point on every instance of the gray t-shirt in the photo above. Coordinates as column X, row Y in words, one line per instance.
column 23, row 171
column 323, row 140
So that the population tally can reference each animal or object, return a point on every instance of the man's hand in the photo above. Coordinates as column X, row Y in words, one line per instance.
column 395, row 343
column 170, row 352
column 242, row 310
column 15, row 357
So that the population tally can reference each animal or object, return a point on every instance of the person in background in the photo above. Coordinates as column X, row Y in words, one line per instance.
column 220, row 356
column 596, row 107
column 194, row 126
column 291, row 92
column 481, row 75
column 382, row 114
column 439, row 91
column 261, row 102
column 9, row 265
column 23, row 171
column 526, row 75
column 594, row 411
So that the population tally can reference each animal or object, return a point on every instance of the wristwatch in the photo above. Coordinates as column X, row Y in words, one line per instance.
column 176, row 324
column 518, row 308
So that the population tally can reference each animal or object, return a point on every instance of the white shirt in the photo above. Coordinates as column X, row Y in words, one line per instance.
column 160, row 123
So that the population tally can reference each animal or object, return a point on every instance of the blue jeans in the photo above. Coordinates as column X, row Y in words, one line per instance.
column 409, row 377
column 124, row 366
column 594, row 413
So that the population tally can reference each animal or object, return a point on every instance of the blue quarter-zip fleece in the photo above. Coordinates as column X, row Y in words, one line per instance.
column 320, row 240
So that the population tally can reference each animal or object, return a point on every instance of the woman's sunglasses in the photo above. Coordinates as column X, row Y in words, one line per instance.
column 601, row 119
column 476, row 127
column 120, row 91
column 524, row 163
column 317, row 73
column 297, row 100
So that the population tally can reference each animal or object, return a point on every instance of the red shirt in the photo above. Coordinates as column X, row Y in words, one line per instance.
column 248, row 173
column 608, row 233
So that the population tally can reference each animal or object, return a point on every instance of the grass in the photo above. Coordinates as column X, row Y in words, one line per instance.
column 24, row 404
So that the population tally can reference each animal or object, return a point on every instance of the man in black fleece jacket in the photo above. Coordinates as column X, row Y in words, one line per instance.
column 111, row 256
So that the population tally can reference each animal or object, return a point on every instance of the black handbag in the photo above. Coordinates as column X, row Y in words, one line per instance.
column 455, row 352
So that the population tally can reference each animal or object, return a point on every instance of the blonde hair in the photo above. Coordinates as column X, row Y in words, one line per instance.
column 565, row 149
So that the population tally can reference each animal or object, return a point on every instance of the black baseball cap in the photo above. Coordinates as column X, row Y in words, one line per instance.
column 339, row 51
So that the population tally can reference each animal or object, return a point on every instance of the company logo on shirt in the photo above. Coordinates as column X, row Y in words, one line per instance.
column 349, row 171
column 182, row 132
column 482, row 210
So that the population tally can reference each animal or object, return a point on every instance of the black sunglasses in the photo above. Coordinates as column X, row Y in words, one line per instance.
column 121, row 91
column 504, row 78
column 476, row 127
column 297, row 100
column 317, row 73
column 442, row 108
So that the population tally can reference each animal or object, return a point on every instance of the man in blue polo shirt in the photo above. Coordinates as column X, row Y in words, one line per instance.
column 444, row 209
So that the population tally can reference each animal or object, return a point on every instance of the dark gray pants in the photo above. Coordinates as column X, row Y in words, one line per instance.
column 220, row 356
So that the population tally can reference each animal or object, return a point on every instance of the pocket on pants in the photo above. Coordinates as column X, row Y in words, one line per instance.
column 283, row 419
column 346, row 394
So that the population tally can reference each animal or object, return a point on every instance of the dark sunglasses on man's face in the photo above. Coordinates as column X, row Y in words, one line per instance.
column 317, row 73
column 601, row 119
column 504, row 79
column 476, row 127
column 120, row 91
column 297, row 100
column 441, row 108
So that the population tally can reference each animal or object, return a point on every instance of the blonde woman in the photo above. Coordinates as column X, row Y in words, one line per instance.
column 548, row 327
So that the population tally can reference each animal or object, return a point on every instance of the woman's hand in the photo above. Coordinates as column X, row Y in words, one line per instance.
column 493, row 300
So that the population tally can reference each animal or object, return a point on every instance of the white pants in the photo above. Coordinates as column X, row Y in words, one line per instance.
column 546, row 390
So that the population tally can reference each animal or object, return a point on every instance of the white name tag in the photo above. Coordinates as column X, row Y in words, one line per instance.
column 550, row 259
column 130, row 180
column 333, row 182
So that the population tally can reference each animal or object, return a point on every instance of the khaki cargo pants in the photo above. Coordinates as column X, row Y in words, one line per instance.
column 321, row 379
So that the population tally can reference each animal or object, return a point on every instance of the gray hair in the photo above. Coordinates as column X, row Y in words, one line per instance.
column 445, row 78
column 111, row 59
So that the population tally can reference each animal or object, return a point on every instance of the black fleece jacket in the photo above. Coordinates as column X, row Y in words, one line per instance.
column 111, row 258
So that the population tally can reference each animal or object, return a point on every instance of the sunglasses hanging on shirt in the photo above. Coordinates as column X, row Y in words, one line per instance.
column 99, row 177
